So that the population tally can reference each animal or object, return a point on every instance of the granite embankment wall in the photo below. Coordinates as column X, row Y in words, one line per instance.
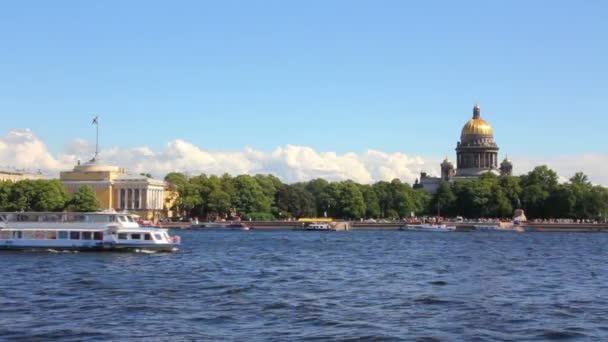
column 289, row 225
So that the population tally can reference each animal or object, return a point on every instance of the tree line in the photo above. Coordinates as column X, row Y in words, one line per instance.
column 45, row 195
column 538, row 192
column 266, row 197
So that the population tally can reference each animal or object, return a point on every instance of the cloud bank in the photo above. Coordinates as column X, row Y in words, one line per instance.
column 21, row 148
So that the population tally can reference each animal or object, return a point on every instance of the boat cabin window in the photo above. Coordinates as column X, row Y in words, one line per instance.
column 98, row 236
column 74, row 235
column 28, row 234
column 122, row 218
column 51, row 235
column 147, row 236
column 130, row 219
column 4, row 234
column 112, row 218
column 87, row 235
column 135, row 236
column 122, row 236
column 17, row 235
column 63, row 235
column 158, row 237
column 39, row 235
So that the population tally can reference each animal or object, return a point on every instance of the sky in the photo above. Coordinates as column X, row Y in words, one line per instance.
column 366, row 90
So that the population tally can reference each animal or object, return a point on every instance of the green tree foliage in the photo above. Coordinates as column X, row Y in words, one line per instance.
column 266, row 197
column 33, row 195
column 84, row 200
column 250, row 197
column 444, row 201
column 349, row 200
column 372, row 203
column 295, row 201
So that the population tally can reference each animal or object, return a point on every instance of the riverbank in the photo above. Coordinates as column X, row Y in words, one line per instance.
column 291, row 225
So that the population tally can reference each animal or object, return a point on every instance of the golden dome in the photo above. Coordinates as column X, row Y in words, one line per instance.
column 477, row 126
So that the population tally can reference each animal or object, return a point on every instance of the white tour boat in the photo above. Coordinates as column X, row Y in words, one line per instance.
column 320, row 227
column 497, row 228
column 99, row 231
column 428, row 228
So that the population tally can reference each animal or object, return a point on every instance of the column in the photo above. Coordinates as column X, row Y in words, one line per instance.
column 132, row 198
column 155, row 200
column 140, row 197
column 119, row 198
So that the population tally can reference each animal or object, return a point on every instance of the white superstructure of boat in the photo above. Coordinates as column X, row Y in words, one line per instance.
column 320, row 227
column 98, row 231
column 428, row 228
column 496, row 228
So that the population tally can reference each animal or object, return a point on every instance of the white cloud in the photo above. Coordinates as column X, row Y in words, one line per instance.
column 291, row 163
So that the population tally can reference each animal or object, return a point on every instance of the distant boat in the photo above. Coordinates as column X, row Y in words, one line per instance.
column 427, row 228
column 320, row 227
column 220, row 226
column 500, row 229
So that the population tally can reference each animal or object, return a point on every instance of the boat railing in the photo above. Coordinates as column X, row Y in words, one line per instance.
column 65, row 217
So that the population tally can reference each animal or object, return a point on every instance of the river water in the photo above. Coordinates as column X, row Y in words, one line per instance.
column 286, row 286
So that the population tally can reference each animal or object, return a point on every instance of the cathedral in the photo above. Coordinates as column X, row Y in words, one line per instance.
column 476, row 153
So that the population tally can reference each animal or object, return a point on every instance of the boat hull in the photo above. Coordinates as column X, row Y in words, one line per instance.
column 427, row 229
column 99, row 247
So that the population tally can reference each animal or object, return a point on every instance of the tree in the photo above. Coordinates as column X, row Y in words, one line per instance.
column 385, row 199
column 444, row 199
column 296, row 201
column 319, row 190
column 350, row 200
column 372, row 204
column 250, row 197
column 48, row 195
column 5, row 194
column 84, row 200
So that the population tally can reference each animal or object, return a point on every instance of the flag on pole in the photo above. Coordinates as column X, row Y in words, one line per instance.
column 96, row 120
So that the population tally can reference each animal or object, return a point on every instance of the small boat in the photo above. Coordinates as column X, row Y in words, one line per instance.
column 97, row 231
column 320, row 227
column 220, row 226
column 428, row 228
column 500, row 229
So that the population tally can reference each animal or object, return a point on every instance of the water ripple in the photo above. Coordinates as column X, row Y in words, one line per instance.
column 286, row 286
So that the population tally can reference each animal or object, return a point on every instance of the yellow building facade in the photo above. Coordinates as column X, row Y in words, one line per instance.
column 118, row 190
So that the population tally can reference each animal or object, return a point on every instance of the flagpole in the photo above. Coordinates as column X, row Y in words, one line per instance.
column 96, row 138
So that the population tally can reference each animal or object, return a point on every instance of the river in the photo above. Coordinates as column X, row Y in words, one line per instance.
column 287, row 286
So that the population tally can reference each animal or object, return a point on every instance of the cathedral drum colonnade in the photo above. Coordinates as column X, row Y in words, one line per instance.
column 476, row 154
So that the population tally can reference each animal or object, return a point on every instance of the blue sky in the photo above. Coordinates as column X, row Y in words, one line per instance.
column 396, row 76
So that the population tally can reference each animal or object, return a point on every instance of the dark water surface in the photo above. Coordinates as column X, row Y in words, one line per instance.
column 286, row 286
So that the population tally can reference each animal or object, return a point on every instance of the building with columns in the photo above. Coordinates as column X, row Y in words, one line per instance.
column 17, row 175
column 476, row 154
column 117, row 189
